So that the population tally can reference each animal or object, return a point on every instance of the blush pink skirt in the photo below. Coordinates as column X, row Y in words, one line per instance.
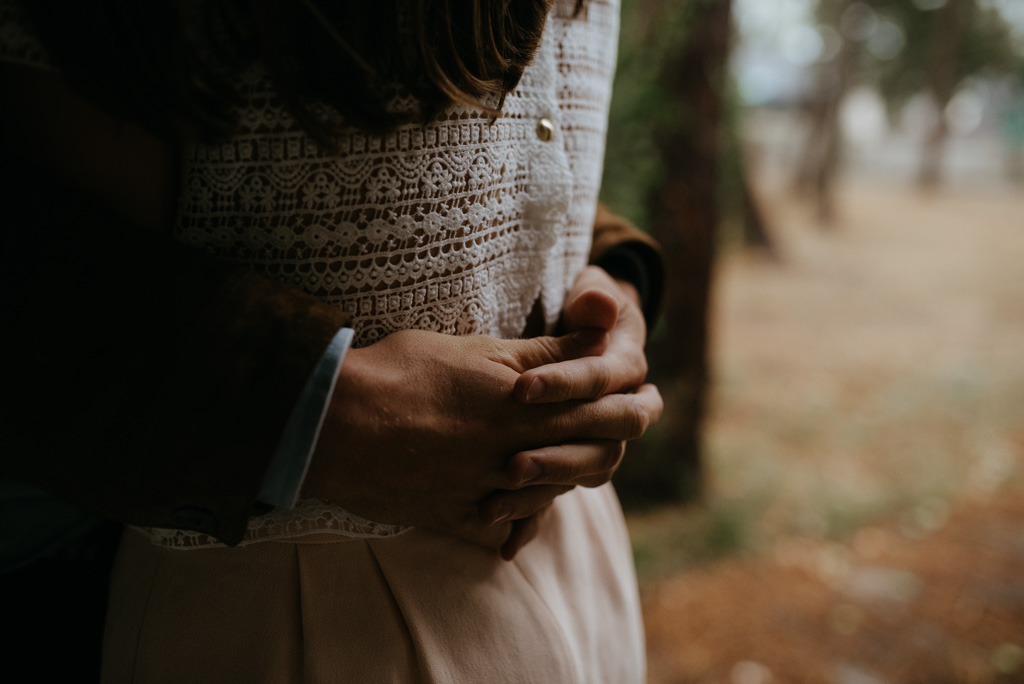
column 418, row 607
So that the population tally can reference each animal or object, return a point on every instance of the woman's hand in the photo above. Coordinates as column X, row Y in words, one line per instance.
column 422, row 425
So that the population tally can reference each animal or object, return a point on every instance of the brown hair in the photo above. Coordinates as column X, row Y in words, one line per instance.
column 173, row 63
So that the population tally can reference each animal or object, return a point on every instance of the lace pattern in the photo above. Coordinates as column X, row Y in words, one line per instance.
column 457, row 226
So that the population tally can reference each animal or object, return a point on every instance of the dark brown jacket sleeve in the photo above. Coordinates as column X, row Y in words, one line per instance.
column 628, row 253
column 143, row 380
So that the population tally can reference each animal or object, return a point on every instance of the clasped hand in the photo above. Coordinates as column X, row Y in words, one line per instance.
column 475, row 436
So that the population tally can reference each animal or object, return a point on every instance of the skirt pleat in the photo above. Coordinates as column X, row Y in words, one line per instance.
column 419, row 607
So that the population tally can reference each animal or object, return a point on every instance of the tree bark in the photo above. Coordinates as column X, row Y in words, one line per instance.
column 683, row 215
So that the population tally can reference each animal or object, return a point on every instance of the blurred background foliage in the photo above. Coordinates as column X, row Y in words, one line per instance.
column 842, row 76
column 835, row 492
column 650, row 33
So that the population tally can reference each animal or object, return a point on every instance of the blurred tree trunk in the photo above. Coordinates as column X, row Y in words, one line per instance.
column 683, row 216
column 740, row 199
column 948, row 32
column 822, row 153
column 755, row 227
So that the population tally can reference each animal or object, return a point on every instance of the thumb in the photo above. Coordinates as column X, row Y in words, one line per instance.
column 591, row 309
column 540, row 351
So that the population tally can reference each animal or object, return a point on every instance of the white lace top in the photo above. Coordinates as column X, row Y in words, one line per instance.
column 457, row 226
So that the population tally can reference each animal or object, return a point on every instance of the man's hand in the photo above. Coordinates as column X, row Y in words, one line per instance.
column 422, row 425
column 596, row 304
column 605, row 313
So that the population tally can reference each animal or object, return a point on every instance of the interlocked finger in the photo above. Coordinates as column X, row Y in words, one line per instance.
column 523, row 531
column 508, row 505
column 617, row 417
column 590, row 377
column 522, row 355
column 590, row 305
column 587, row 464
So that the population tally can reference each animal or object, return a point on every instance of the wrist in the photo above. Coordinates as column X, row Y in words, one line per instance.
column 328, row 464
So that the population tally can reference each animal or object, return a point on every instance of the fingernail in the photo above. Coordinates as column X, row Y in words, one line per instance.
column 530, row 473
column 589, row 337
column 501, row 514
column 536, row 390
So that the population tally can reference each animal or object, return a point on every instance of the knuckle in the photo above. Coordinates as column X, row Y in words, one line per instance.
column 637, row 420
column 612, row 457
column 563, row 466
column 581, row 374
column 560, row 382
column 602, row 379
column 639, row 369
column 576, row 381
column 590, row 378
column 548, row 348
column 505, row 357
column 658, row 405
column 570, row 466
column 525, row 469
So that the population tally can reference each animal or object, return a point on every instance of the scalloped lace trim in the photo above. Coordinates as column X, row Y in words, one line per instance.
column 311, row 517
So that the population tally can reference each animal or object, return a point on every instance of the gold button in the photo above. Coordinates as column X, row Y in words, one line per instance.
column 545, row 130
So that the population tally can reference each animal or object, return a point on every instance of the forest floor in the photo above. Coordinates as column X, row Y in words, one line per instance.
column 863, row 521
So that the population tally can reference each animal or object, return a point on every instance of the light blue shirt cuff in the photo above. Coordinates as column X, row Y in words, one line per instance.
column 287, row 471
